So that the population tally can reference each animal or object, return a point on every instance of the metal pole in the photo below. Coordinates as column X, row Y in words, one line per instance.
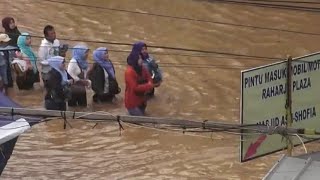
column 107, row 117
column 209, row 125
column 289, row 104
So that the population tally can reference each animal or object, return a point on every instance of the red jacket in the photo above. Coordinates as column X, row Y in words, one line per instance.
column 131, row 99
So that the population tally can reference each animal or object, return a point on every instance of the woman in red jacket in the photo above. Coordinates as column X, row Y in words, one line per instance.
column 138, row 84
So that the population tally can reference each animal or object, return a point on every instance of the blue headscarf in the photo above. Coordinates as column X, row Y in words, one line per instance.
column 132, row 60
column 55, row 62
column 78, row 54
column 137, row 47
column 26, row 49
column 98, row 56
column 133, row 57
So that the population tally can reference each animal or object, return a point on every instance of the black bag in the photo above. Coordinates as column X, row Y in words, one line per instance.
column 113, row 86
column 66, row 91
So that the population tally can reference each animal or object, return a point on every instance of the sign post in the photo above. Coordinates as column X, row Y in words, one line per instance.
column 266, row 100
column 289, row 104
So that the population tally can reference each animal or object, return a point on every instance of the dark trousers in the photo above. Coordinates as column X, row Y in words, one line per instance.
column 50, row 104
column 9, row 75
column 102, row 97
column 138, row 111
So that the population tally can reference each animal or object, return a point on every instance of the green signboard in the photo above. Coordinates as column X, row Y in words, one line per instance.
column 263, row 101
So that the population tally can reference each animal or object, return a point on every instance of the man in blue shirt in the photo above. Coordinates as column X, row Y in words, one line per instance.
column 6, row 55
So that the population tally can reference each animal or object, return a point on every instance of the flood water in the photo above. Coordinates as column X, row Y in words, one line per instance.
column 207, row 89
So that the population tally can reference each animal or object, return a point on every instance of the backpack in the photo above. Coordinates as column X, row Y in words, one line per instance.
column 153, row 69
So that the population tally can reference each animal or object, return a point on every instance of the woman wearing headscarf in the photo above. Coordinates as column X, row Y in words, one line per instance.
column 32, row 74
column 102, row 76
column 78, row 68
column 10, row 28
column 149, row 63
column 138, row 84
column 57, row 85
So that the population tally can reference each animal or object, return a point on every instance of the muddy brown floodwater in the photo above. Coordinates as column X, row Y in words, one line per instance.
column 48, row 151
